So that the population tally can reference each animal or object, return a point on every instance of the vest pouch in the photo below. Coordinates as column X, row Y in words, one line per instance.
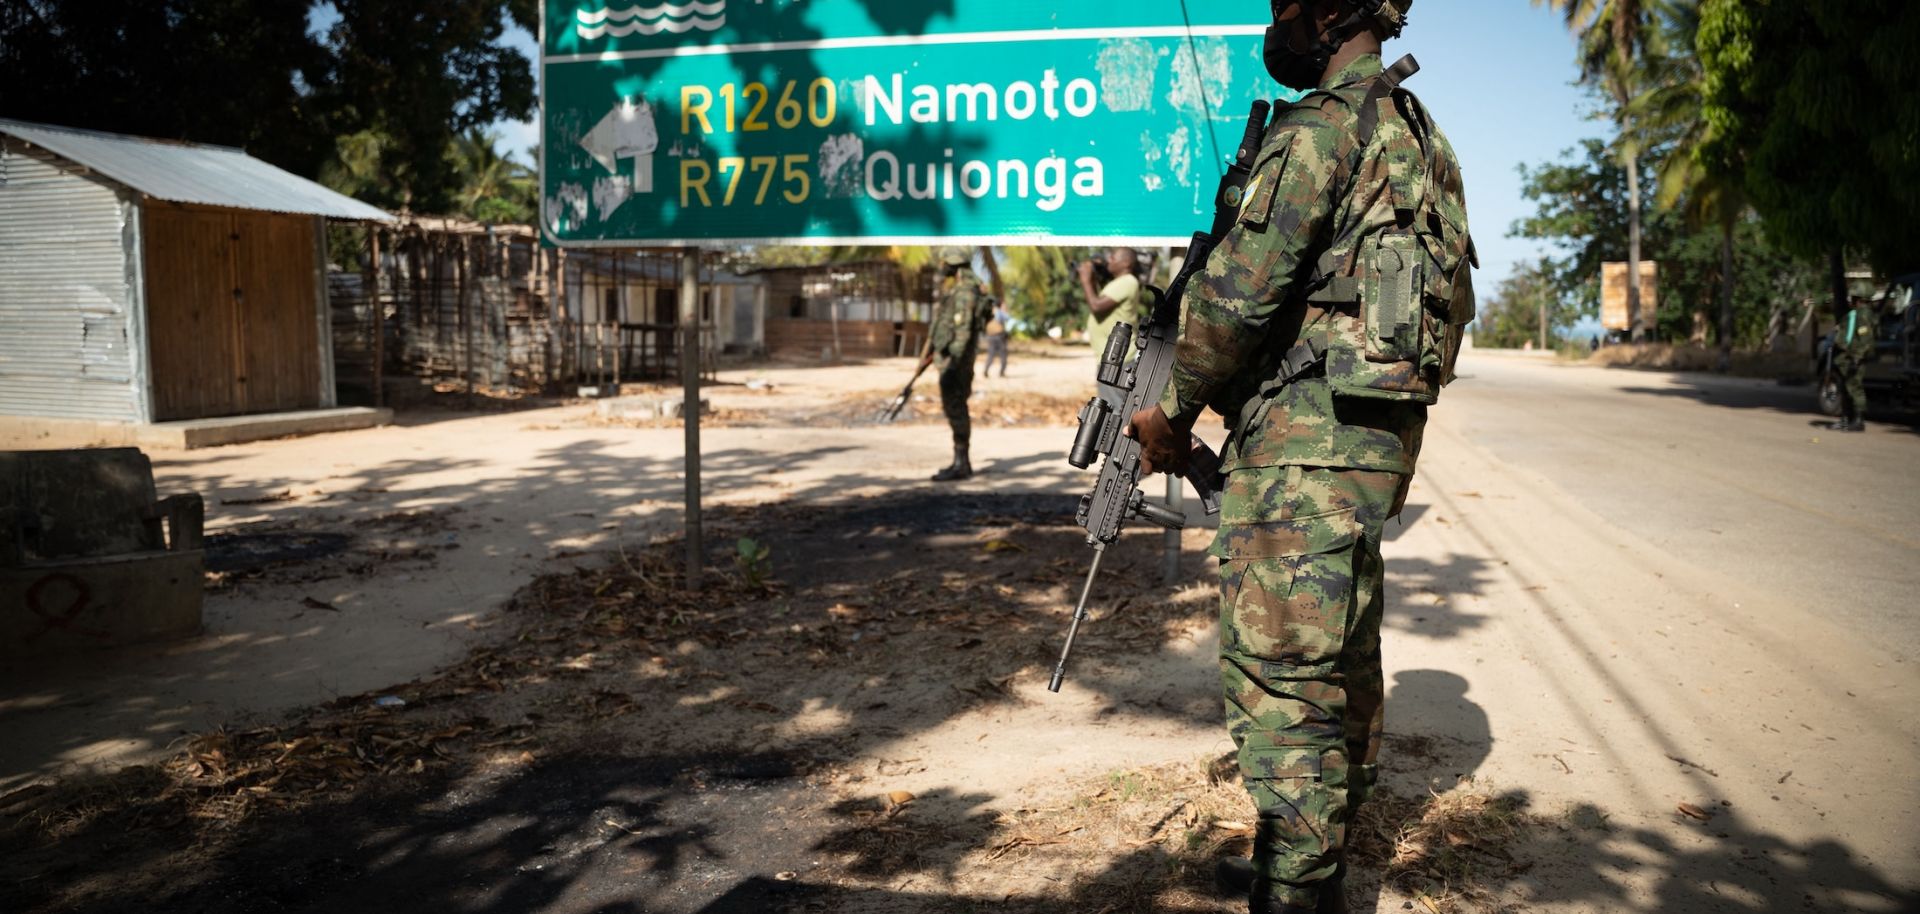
column 1376, row 346
column 1391, row 297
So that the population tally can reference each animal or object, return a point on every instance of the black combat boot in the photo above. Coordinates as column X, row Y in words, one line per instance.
column 1267, row 906
column 960, row 468
column 1233, row 876
column 1856, row 424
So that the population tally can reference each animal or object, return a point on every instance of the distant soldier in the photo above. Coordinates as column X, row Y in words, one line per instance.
column 960, row 312
column 1852, row 349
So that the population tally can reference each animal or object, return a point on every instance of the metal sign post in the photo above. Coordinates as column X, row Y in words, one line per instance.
column 690, row 413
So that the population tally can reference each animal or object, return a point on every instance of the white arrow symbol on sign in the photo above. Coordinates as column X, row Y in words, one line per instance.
column 627, row 132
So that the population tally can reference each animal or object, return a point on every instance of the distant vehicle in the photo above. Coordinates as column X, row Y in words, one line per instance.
column 1894, row 374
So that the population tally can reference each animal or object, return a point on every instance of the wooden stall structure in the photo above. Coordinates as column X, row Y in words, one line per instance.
column 143, row 281
column 465, row 306
column 865, row 309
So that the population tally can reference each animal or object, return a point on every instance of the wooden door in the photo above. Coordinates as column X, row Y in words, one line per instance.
column 231, row 312
column 279, row 333
column 192, row 314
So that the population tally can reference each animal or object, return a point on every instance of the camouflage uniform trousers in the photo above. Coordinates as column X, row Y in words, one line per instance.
column 956, row 386
column 1853, row 384
column 1301, row 581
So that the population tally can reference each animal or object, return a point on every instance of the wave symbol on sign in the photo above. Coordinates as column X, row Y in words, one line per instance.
column 674, row 18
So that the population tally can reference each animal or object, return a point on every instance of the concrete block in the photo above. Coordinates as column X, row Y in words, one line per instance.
column 648, row 407
column 40, row 433
column 80, row 604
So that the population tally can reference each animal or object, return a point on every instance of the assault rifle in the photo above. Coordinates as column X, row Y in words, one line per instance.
column 891, row 411
column 1127, row 387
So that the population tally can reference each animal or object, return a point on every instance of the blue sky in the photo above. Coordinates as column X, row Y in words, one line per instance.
column 1497, row 75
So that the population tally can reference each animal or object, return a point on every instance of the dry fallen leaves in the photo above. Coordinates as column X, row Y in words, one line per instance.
column 1694, row 812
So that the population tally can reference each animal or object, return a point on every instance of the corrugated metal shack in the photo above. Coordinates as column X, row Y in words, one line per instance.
column 143, row 281
column 485, row 307
column 863, row 309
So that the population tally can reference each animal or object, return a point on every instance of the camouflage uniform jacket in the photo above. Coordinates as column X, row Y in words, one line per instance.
column 1864, row 322
column 959, row 316
column 1249, row 305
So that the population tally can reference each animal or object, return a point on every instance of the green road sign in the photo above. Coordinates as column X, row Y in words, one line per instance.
column 886, row 121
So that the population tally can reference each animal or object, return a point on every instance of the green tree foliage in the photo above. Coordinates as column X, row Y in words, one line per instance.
column 1814, row 102
column 1581, row 211
column 229, row 72
column 385, row 91
column 493, row 188
column 421, row 75
column 1510, row 318
column 1043, row 291
column 1706, row 190
column 1612, row 39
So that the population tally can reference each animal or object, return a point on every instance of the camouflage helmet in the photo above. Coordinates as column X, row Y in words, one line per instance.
column 954, row 255
column 1392, row 16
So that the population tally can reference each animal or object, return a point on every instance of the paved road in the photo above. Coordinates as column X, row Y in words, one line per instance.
column 1621, row 592
column 1731, row 475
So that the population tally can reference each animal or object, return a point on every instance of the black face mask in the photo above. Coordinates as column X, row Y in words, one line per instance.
column 1291, row 68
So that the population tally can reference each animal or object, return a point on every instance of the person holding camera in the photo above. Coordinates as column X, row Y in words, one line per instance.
column 1113, row 294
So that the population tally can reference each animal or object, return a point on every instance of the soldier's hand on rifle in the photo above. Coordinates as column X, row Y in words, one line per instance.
column 926, row 361
column 1163, row 448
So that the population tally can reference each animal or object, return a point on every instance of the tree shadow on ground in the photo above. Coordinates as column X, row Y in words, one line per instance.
column 894, row 616
column 732, row 805
column 1799, row 400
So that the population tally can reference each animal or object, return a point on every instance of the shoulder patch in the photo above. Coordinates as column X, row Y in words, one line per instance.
column 1256, row 206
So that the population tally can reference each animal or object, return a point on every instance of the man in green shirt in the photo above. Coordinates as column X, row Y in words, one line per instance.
column 1117, row 301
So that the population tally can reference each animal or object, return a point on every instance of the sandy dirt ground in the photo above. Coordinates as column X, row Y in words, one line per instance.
column 1657, row 627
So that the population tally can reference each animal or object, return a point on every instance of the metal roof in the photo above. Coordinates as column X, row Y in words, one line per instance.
column 192, row 173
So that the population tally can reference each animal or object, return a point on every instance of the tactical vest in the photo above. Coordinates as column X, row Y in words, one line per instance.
column 1400, row 296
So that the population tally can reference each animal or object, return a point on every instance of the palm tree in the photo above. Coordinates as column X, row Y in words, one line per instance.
column 1045, row 289
column 1705, row 192
column 359, row 169
column 1612, row 36
column 493, row 188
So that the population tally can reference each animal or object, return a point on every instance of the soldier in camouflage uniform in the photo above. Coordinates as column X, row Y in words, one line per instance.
column 960, row 312
column 1322, row 327
column 1853, row 349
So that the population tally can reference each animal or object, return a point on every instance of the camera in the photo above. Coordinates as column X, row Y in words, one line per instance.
column 1102, row 273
